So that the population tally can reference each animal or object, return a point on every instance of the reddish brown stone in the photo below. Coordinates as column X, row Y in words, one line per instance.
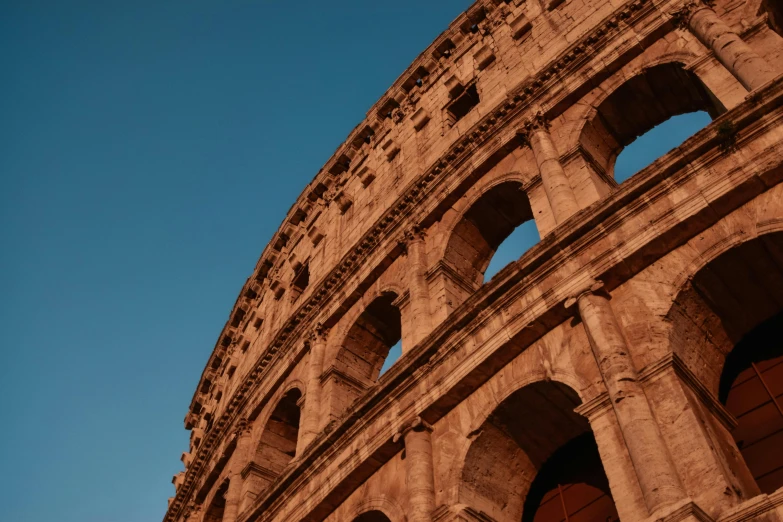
column 620, row 369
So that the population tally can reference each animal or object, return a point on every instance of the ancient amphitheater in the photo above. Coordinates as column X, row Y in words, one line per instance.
column 625, row 367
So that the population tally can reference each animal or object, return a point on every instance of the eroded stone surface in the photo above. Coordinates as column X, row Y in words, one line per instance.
column 598, row 373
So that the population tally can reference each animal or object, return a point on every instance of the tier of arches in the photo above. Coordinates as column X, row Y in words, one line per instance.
column 508, row 198
column 552, row 469
column 489, row 211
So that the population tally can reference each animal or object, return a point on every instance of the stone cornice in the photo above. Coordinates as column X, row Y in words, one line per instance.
column 256, row 469
column 370, row 245
column 595, row 407
column 442, row 267
column 754, row 507
column 579, row 150
column 686, row 510
column 673, row 362
column 349, row 380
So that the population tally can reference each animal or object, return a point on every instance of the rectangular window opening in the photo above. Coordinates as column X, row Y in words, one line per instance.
column 466, row 101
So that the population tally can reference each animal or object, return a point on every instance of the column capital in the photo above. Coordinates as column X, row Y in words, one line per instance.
column 594, row 287
column 318, row 333
column 537, row 121
column 682, row 16
column 415, row 424
column 415, row 233
column 193, row 511
column 243, row 428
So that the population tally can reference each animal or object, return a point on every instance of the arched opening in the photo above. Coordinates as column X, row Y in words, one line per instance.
column 369, row 340
column 277, row 446
column 300, row 282
column 571, row 485
column 215, row 511
column 737, row 302
column 365, row 352
column 657, row 142
column 638, row 106
column 516, row 469
column 489, row 222
column 275, row 450
column 395, row 352
column 752, row 390
column 372, row 516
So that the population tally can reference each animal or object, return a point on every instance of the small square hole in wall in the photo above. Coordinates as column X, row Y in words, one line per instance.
column 466, row 101
column 300, row 282
column 258, row 323
column 245, row 346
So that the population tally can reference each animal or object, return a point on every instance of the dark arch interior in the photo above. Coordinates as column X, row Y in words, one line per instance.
column 571, row 481
column 743, row 287
column 484, row 227
column 752, row 390
column 514, row 464
column 278, row 441
column 372, row 516
column 215, row 511
column 639, row 105
column 774, row 10
column 369, row 340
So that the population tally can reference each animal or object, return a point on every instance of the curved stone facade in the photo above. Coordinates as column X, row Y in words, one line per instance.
column 617, row 370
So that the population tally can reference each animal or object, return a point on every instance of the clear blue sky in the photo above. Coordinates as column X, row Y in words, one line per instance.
column 149, row 151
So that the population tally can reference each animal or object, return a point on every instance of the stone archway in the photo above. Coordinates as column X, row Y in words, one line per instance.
column 483, row 227
column 641, row 103
column 361, row 355
column 514, row 466
column 739, row 295
column 217, row 506
column 276, row 447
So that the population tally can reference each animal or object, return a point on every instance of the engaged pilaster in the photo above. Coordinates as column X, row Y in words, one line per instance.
column 655, row 470
column 554, row 179
column 238, row 461
column 420, row 316
column 749, row 68
column 312, row 406
column 419, row 473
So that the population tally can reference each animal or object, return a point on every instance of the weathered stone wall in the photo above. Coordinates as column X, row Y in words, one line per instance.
column 612, row 330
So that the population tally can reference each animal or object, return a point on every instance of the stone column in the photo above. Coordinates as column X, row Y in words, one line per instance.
column 556, row 185
column 238, row 461
column 311, row 418
column 749, row 68
column 419, row 473
column 655, row 470
column 420, row 317
column 623, row 483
